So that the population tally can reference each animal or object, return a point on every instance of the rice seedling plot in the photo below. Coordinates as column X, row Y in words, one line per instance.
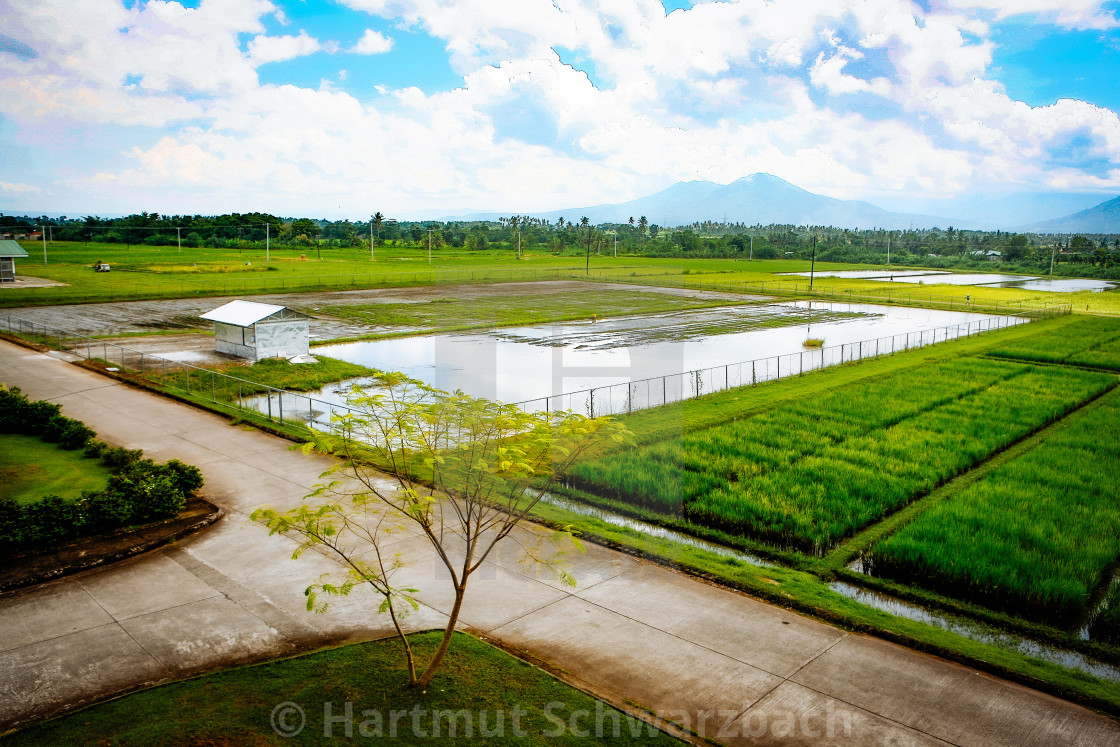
column 1035, row 537
column 508, row 310
column 810, row 473
column 1089, row 342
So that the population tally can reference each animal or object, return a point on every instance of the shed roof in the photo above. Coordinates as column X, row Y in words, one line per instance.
column 248, row 313
column 9, row 248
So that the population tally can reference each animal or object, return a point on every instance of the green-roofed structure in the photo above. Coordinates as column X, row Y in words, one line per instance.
column 9, row 251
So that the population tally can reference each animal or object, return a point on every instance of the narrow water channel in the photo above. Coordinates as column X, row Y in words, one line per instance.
column 953, row 623
column 976, row 631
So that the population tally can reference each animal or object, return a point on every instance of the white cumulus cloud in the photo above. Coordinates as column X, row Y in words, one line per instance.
column 372, row 42
column 264, row 49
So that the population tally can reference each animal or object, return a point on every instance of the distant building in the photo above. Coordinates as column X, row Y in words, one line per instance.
column 259, row 330
column 9, row 252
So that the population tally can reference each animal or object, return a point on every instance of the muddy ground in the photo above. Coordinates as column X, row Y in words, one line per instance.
column 149, row 316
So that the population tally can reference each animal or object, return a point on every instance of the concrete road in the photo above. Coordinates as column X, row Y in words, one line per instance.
column 721, row 664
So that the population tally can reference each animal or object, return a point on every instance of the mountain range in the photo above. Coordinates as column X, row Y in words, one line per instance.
column 767, row 199
column 1102, row 218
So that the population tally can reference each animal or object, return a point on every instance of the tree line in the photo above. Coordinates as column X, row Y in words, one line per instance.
column 1083, row 254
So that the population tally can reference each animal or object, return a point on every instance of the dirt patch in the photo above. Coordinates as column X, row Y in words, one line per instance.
column 25, row 281
column 18, row 570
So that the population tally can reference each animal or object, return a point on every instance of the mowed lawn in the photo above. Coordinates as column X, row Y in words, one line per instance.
column 31, row 469
column 481, row 694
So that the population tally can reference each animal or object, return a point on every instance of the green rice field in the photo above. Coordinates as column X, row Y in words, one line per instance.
column 1092, row 342
column 809, row 473
column 1035, row 537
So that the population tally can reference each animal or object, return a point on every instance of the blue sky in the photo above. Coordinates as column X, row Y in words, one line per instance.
column 435, row 107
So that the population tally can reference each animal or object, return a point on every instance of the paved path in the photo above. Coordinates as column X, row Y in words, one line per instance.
column 725, row 665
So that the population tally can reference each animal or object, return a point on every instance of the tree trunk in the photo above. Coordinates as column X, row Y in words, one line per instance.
column 448, row 632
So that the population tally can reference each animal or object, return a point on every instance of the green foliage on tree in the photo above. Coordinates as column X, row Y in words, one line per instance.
column 463, row 471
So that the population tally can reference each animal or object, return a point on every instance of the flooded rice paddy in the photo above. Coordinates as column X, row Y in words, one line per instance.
column 993, row 280
column 528, row 363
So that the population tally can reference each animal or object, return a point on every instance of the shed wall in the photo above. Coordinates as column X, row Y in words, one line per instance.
column 282, row 338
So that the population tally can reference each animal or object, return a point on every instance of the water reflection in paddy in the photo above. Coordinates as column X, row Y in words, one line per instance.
column 523, row 363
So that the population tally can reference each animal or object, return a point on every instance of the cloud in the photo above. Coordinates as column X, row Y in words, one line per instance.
column 17, row 189
column 1076, row 14
column 372, row 42
column 848, row 99
column 264, row 49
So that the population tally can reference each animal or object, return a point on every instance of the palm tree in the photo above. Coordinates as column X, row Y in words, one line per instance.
column 585, row 222
column 642, row 223
column 631, row 222
column 377, row 219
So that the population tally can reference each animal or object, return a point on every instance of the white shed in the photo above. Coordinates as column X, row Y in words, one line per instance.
column 9, row 252
column 259, row 330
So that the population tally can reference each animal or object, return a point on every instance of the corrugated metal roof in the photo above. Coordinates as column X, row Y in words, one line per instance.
column 9, row 248
column 242, row 313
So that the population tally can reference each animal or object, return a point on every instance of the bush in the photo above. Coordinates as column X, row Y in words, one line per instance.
column 20, row 415
column 51, row 520
column 150, row 490
column 188, row 478
column 138, row 491
column 66, row 432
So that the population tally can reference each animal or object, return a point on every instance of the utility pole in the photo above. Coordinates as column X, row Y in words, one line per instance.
column 267, row 248
column 888, row 250
column 1053, row 251
column 519, row 242
column 179, row 238
column 752, row 247
column 616, row 244
column 44, row 243
column 429, row 246
column 813, row 266
column 371, row 239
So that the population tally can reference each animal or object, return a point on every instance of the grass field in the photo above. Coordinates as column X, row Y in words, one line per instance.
column 278, row 374
column 1036, row 537
column 237, row 707
column 164, row 272
column 31, row 469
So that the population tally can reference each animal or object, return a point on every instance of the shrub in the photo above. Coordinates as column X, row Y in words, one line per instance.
column 138, row 491
column 50, row 521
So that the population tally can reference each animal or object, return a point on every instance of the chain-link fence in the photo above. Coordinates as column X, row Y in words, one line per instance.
column 235, row 394
column 617, row 399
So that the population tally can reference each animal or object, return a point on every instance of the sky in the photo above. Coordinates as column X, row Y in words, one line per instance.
column 420, row 108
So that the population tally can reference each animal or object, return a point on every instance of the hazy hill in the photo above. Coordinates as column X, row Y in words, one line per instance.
column 1102, row 218
column 758, row 198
